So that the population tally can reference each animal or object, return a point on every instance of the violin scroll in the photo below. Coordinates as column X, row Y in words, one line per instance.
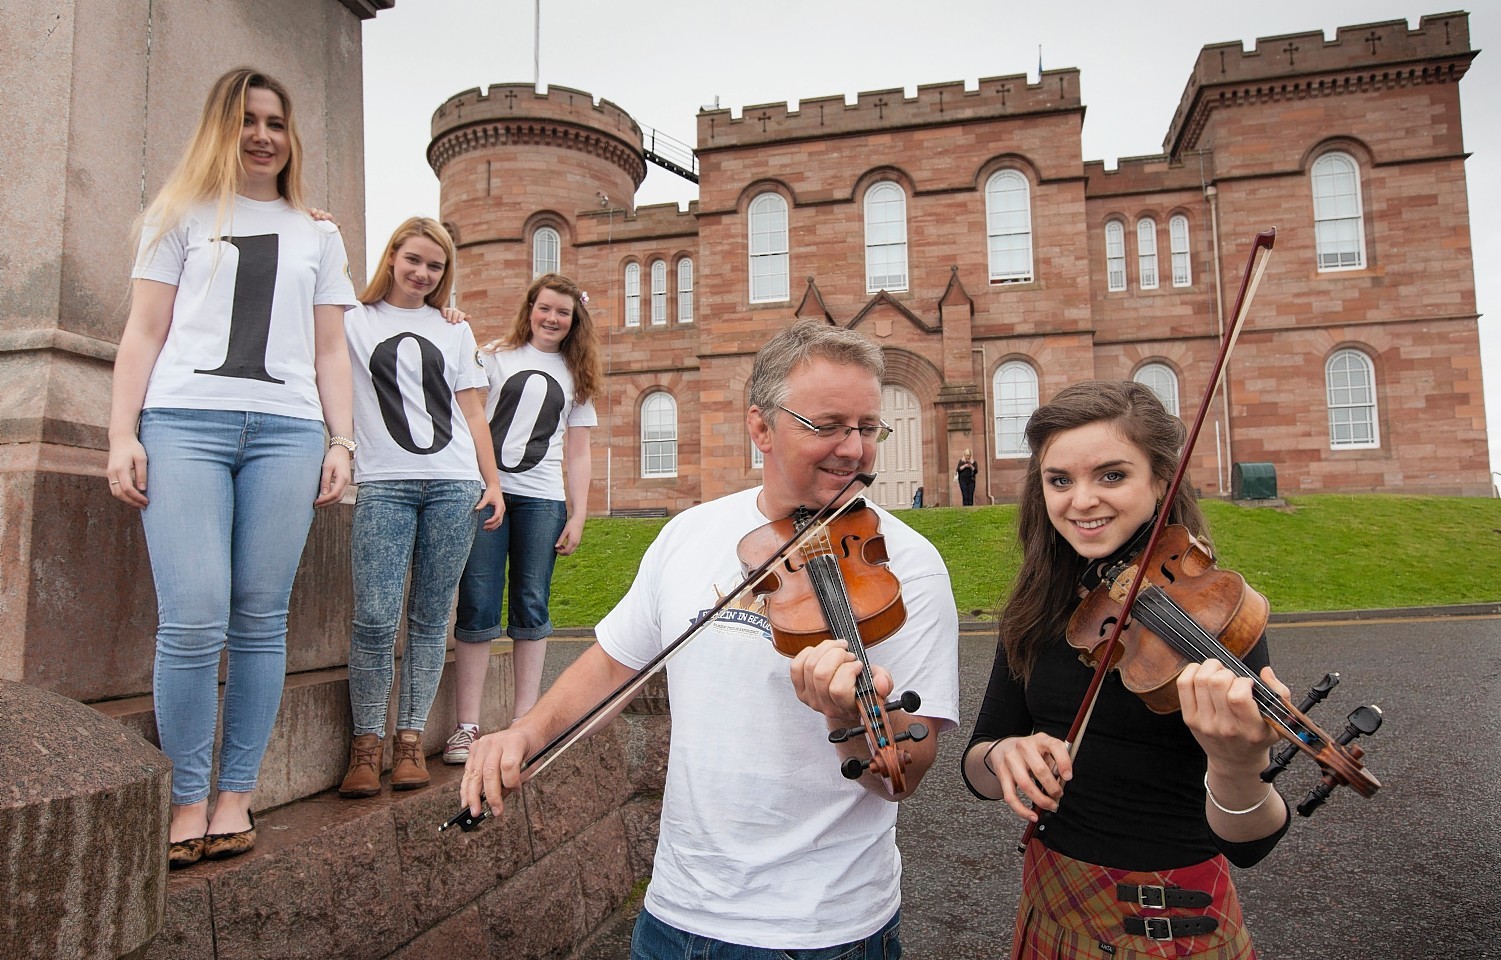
column 854, row 767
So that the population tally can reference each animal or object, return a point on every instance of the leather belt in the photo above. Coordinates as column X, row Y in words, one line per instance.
column 1168, row 928
column 1160, row 898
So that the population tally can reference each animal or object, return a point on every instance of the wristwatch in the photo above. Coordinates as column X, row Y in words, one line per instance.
column 345, row 442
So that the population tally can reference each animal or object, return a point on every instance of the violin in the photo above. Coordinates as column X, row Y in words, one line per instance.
column 836, row 584
column 1188, row 610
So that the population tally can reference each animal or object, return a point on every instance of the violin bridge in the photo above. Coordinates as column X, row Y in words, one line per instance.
column 1122, row 584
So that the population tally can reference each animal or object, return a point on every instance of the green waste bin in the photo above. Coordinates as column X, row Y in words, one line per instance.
column 1253, row 481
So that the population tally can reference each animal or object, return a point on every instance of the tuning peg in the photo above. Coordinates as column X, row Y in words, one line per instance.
column 1285, row 751
column 908, row 702
column 915, row 732
column 853, row 767
column 1362, row 722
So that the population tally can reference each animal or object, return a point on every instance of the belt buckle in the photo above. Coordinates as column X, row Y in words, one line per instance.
column 1158, row 928
column 1152, row 898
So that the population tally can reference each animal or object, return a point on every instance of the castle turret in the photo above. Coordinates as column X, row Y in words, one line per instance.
column 514, row 163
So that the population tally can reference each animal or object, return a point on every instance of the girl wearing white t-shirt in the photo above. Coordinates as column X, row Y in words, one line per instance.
column 543, row 377
column 231, row 363
column 424, row 449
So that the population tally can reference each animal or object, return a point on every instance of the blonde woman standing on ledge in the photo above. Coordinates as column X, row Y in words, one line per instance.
column 231, row 364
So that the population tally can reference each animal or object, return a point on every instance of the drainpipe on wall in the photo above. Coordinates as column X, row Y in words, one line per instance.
column 984, row 432
column 1211, row 195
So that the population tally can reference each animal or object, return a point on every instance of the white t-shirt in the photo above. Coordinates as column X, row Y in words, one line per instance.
column 408, row 367
column 763, row 841
column 242, row 323
column 530, row 406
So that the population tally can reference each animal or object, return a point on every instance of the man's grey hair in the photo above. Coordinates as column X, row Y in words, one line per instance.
column 798, row 344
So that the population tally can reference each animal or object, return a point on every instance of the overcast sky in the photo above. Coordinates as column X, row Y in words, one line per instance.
column 661, row 62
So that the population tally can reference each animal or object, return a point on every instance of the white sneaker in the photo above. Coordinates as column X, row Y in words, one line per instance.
column 456, row 750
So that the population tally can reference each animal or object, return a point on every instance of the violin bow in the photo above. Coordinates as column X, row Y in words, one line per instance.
column 1256, row 264
column 627, row 690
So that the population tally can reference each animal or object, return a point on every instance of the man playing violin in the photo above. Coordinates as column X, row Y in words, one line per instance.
column 765, row 849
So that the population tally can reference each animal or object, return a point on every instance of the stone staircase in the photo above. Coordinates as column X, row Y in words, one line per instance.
column 373, row 878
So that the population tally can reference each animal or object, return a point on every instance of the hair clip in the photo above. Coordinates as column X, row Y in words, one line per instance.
column 584, row 297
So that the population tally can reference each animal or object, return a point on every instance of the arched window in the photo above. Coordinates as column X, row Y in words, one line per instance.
column 659, row 436
column 658, row 293
column 1338, row 217
column 885, row 238
column 1146, row 253
column 1115, row 255
column 685, row 290
column 768, row 249
column 546, row 247
column 1350, row 379
column 1177, row 233
column 1161, row 379
column 1008, row 227
column 1014, row 393
column 633, row 294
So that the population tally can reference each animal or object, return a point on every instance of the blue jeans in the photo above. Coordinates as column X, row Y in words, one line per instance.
column 655, row 940
column 527, row 538
column 426, row 526
column 231, row 502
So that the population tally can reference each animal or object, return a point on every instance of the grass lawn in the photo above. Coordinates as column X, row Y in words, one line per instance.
column 1323, row 552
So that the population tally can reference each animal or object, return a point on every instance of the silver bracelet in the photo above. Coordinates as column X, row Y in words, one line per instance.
column 1235, row 813
column 985, row 759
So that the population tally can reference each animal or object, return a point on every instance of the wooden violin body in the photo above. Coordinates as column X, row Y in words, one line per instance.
column 837, row 585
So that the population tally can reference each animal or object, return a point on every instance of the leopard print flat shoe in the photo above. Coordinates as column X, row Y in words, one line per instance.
column 222, row 846
column 185, row 853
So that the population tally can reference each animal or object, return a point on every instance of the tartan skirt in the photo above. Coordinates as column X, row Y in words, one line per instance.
column 1069, row 911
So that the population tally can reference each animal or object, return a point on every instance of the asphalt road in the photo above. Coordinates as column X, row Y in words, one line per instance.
column 1413, row 873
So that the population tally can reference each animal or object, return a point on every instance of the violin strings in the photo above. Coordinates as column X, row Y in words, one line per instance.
column 1168, row 620
column 823, row 570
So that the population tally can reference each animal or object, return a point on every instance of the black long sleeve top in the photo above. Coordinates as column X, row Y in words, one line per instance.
column 1136, row 800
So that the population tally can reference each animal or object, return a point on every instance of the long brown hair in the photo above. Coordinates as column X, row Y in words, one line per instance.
column 580, row 347
column 1045, row 589
column 385, row 277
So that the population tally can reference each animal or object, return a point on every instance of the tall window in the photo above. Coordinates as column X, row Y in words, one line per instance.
column 633, row 294
column 1338, row 220
column 1161, row 380
column 659, row 436
column 658, row 292
column 1008, row 227
column 1015, row 391
column 1115, row 255
column 1350, row 379
column 885, row 238
column 768, row 249
column 685, row 290
column 545, row 247
column 1177, row 234
column 1146, row 253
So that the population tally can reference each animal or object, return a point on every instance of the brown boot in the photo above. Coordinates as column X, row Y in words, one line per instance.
column 409, row 769
column 363, row 777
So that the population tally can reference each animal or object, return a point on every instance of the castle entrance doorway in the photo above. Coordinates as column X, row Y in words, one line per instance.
column 899, row 459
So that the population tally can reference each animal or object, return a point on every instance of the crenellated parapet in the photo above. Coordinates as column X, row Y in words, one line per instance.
column 1361, row 58
column 1153, row 174
column 517, row 115
column 876, row 110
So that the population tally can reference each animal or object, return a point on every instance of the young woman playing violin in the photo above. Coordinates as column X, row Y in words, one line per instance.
column 1136, row 833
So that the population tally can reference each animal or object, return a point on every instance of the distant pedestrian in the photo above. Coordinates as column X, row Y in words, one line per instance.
column 1139, row 849
column 966, row 472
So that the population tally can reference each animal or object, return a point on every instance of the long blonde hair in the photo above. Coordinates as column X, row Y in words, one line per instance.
column 580, row 348
column 210, row 168
column 380, row 284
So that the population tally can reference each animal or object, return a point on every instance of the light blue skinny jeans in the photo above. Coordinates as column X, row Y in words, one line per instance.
column 231, row 502
column 427, row 527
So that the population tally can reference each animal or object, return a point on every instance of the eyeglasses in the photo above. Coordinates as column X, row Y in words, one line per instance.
column 869, row 433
